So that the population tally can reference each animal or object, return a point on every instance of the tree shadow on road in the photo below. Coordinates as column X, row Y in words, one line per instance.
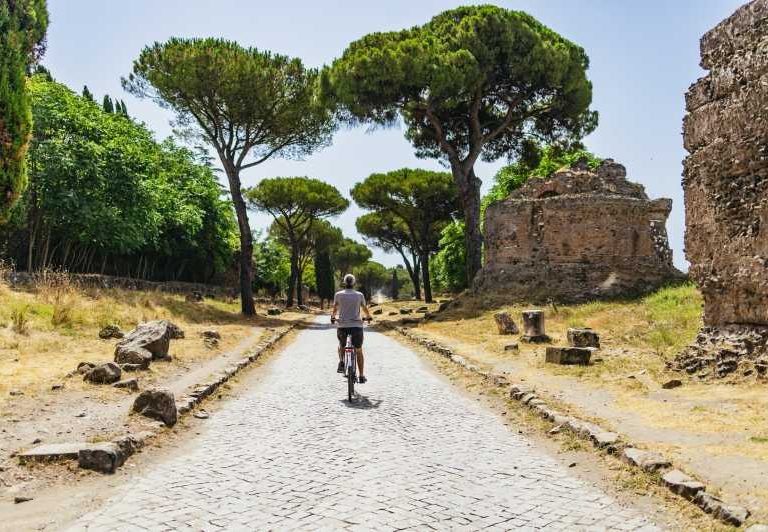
column 362, row 402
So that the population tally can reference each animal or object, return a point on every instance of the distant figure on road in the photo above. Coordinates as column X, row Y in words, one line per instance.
column 347, row 304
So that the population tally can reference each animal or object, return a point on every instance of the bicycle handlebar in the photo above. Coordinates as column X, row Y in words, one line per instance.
column 334, row 320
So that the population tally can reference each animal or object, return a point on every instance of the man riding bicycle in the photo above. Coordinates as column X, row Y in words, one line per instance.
column 347, row 304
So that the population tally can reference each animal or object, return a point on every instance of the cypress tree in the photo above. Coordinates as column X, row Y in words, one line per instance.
column 324, row 276
column 108, row 106
column 87, row 94
column 22, row 30
column 123, row 109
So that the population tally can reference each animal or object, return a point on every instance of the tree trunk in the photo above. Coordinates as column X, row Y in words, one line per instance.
column 299, row 278
column 292, row 283
column 413, row 273
column 246, row 243
column 469, row 188
column 425, row 276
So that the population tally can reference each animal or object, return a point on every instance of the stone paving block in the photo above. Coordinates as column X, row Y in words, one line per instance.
column 277, row 457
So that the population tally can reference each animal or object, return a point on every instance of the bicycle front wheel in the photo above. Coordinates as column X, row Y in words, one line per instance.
column 351, row 383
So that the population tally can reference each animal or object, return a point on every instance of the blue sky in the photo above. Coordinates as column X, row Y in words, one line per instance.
column 644, row 55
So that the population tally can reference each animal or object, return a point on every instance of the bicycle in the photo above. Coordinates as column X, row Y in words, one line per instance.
column 350, row 364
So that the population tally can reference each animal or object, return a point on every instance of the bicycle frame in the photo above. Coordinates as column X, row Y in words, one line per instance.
column 350, row 367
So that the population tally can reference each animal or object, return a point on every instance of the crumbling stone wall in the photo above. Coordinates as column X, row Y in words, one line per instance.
column 576, row 236
column 726, row 195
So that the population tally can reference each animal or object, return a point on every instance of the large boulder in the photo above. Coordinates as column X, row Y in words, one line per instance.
column 106, row 373
column 149, row 341
column 157, row 404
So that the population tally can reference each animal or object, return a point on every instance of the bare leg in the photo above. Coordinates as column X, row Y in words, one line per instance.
column 360, row 361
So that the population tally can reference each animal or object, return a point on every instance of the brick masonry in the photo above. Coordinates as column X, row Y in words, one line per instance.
column 578, row 235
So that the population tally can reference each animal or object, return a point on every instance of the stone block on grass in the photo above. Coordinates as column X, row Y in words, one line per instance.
column 568, row 355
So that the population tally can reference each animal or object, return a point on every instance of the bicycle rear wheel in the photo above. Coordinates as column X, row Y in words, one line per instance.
column 351, row 378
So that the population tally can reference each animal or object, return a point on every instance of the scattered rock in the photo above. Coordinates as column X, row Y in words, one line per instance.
column 57, row 386
column 646, row 460
column 392, row 314
column 85, row 367
column 129, row 384
column 211, row 333
column 132, row 367
column 734, row 515
column 102, row 457
column 111, row 331
column 106, row 373
column 568, row 355
column 15, row 393
column 52, row 452
column 149, row 341
column 378, row 311
column 274, row 311
column 511, row 347
column 211, row 343
column 680, row 483
column 505, row 323
column 200, row 414
column 304, row 308
column 422, row 309
column 194, row 297
column 157, row 404
column 405, row 311
column 443, row 306
column 583, row 337
column 670, row 384
column 18, row 499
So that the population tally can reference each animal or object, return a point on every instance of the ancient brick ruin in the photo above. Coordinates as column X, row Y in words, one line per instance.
column 577, row 236
column 726, row 196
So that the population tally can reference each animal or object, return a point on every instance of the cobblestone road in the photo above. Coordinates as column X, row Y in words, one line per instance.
column 291, row 454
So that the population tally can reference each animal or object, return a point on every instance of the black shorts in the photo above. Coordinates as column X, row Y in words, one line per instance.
column 357, row 336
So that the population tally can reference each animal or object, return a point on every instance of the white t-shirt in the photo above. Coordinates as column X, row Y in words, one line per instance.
column 349, row 303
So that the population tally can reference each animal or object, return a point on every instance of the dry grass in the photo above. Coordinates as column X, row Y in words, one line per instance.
column 46, row 331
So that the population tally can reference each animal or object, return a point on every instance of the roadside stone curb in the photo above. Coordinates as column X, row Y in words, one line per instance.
column 675, row 480
column 108, row 456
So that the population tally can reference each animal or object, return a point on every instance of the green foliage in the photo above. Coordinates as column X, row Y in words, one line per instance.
column 23, row 24
column 449, row 265
column 246, row 102
column 475, row 82
column 102, row 187
column 87, row 94
column 411, row 208
column 271, row 261
column 325, row 283
column 539, row 163
column 107, row 104
column 349, row 255
column 298, row 205
column 371, row 277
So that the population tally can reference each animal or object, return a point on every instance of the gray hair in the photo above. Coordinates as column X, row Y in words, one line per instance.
column 349, row 280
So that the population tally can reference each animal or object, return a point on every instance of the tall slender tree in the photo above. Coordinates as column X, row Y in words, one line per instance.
column 475, row 82
column 87, row 94
column 22, row 36
column 248, row 104
column 108, row 106
column 296, row 204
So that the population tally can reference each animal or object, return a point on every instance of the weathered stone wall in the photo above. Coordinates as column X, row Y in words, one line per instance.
column 578, row 235
column 726, row 190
